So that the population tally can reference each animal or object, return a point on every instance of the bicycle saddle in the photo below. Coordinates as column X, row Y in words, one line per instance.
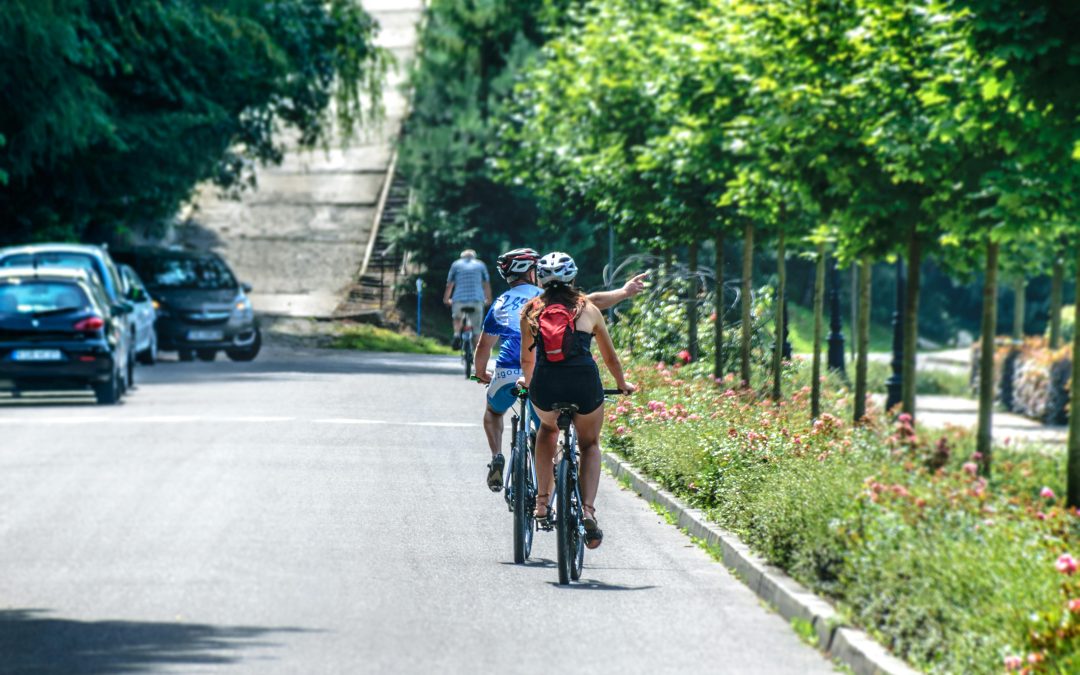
column 566, row 407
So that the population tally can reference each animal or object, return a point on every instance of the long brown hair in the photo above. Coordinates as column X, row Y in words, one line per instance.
column 568, row 295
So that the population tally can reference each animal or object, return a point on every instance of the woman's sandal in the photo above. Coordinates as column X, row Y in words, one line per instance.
column 542, row 499
column 594, row 536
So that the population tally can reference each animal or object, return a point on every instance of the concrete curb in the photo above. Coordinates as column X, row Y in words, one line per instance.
column 850, row 646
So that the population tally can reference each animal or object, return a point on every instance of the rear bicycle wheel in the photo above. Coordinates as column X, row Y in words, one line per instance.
column 523, row 519
column 577, row 563
column 564, row 522
column 467, row 353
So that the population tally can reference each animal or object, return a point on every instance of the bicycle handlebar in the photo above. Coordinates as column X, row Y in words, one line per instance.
column 615, row 392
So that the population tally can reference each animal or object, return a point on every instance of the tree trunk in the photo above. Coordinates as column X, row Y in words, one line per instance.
column 778, row 321
column 1057, row 283
column 747, row 303
column 1073, row 489
column 1019, row 308
column 862, row 339
column 984, row 440
column 691, row 303
column 819, row 316
column 718, row 324
column 911, row 322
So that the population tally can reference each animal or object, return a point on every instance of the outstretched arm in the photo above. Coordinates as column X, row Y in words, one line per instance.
column 608, row 299
column 607, row 352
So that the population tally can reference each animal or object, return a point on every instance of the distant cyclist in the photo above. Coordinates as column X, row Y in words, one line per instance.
column 503, row 322
column 468, row 288
column 558, row 367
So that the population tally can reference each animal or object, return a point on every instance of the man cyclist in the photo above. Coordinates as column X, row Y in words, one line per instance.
column 468, row 289
column 503, row 321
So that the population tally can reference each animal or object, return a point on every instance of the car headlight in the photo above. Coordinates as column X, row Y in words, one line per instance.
column 242, row 308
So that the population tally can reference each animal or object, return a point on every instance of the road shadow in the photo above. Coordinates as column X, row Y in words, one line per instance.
column 33, row 642
column 597, row 585
column 532, row 562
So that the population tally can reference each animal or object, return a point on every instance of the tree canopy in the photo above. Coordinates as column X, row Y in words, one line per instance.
column 111, row 111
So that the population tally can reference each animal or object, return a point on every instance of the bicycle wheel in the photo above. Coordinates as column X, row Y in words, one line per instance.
column 578, row 539
column 466, row 353
column 523, row 520
column 564, row 522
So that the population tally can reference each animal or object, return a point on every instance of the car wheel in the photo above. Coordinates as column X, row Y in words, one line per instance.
column 185, row 355
column 108, row 393
column 148, row 356
column 206, row 354
column 246, row 353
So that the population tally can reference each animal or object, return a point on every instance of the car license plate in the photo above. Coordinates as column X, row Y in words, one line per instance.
column 37, row 355
column 205, row 335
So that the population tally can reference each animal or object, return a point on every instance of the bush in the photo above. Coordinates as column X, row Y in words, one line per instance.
column 945, row 568
column 1033, row 380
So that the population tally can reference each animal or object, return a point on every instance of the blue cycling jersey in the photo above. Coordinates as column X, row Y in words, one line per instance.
column 504, row 320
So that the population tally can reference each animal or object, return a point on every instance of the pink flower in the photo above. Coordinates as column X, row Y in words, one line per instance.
column 970, row 468
column 1074, row 605
column 1039, row 515
column 904, row 418
column 1013, row 662
column 685, row 356
column 612, row 418
column 620, row 431
column 1047, row 493
column 1066, row 564
column 1035, row 657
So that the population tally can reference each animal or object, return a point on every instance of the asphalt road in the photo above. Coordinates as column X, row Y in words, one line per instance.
column 325, row 512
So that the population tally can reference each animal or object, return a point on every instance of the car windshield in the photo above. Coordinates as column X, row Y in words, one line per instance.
column 40, row 297
column 206, row 273
column 79, row 261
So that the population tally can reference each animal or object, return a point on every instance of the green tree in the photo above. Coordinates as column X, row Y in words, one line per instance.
column 113, row 111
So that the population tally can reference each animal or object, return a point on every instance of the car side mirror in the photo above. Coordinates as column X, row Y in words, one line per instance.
column 245, row 287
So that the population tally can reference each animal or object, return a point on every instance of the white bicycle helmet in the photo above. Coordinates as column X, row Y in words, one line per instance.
column 556, row 268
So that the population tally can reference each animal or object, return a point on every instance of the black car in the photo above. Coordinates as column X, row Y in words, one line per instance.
column 58, row 330
column 95, row 260
column 201, row 307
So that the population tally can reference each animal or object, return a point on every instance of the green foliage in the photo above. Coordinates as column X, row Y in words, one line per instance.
column 366, row 338
column 114, row 110
column 943, row 567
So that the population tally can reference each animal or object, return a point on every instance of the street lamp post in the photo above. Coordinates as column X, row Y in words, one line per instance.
column 895, row 383
column 836, row 330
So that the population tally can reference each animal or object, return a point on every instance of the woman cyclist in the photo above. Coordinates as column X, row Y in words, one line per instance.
column 567, row 373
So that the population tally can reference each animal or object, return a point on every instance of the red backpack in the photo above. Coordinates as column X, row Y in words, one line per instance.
column 555, row 334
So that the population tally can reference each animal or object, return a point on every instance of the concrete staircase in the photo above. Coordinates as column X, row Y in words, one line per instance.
column 308, row 232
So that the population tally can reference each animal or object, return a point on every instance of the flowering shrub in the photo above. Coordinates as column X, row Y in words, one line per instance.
column 952, row 572
column 1034, row 380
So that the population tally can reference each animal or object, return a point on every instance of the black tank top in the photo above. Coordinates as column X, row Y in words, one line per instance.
column 582, row 357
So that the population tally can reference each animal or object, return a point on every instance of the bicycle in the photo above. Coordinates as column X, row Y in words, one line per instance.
column 521, row 479
column 569, row 521
column 467, row 341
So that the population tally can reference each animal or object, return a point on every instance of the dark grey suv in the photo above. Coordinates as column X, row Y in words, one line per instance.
column 202, row 309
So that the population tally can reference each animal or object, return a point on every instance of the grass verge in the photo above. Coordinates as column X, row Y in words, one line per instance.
column 951, row 571
column 367, row 338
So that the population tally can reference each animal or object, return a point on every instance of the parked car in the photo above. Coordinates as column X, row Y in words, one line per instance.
column 58, row 330
column 202, row 308
column 93, row 259
column 146, row 342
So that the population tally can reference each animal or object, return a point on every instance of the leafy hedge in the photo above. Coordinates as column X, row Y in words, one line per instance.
column 953, row 573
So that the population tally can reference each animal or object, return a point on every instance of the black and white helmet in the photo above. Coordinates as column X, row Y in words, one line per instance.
column 556, row 268
column 516, row 263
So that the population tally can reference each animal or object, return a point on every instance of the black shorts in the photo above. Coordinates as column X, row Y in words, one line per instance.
column 578, row 384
